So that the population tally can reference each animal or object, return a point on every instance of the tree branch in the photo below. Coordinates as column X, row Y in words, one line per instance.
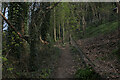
column 10, row 25
column 51, row 7
column 4, row 15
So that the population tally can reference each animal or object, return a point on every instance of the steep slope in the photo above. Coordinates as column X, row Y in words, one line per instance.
column 101, row 29
column 100, row 51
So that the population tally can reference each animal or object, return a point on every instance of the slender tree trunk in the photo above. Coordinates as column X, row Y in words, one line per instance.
column 54, row 34
column 63, row 32
column 118, row 11
column 118, row 5
column 1, row 66
column 79, row 25
column 59, row 31
column 93, row 20
column 83, row 21
column 70, row 41
column 54, row 27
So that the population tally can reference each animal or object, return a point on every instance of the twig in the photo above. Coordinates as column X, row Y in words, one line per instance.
column 7, row 53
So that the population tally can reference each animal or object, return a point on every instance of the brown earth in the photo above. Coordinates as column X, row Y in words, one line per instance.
column 99, row 51
column 66, row 65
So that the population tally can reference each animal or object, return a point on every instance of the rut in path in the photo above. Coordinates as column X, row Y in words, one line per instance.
column 66, row 65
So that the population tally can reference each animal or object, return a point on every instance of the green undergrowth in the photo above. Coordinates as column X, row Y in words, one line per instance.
column 73, row 50
column 46, row 62
column 87, row 74
column 45, row 73
column 101, row 29
column 83, row 73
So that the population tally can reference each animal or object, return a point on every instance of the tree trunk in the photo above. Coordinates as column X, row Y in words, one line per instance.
column 25, row 50
column 70, row 42
column 118, row 11
column 59, row 31
column 118, row 5
column 79, row 25
column 63, row 32
column 54, row 27
column 1, row 67
column 34, row 47
column 83, row 21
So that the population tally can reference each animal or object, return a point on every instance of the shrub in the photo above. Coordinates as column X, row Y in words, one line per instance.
column 87, row 74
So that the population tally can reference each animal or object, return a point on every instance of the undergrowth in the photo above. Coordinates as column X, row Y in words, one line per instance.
column 73, row 50
column 87, row 74
column 101, row 29
column 84, row 73
column 47, row 59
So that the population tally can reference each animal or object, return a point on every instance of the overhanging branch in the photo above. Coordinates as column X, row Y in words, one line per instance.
column 10, row 25
column 51, row 7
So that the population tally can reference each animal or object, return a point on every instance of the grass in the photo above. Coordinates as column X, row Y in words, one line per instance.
column 101, row 29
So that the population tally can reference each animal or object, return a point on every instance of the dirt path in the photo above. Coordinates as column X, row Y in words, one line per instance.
column 65, row 67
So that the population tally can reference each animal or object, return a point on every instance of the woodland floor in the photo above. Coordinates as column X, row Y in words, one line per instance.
column 66, row 65
column 99, row 51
